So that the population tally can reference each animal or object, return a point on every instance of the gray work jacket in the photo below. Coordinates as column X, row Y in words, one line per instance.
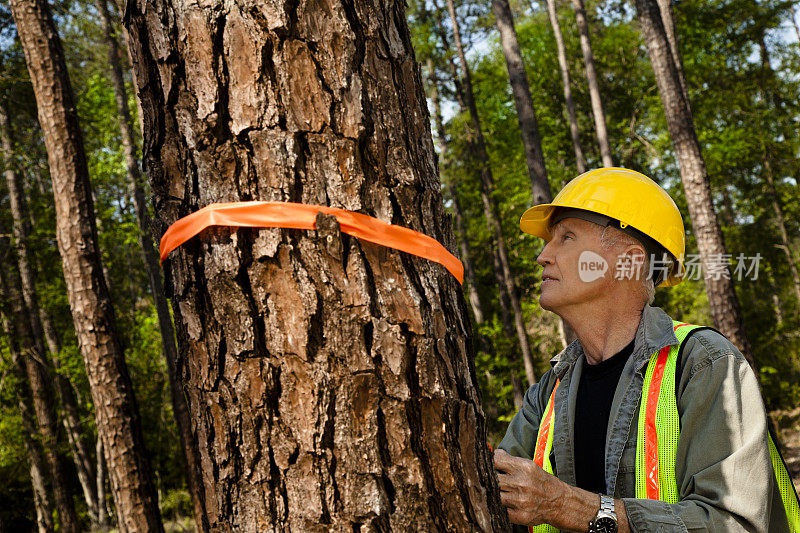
column 725, row 477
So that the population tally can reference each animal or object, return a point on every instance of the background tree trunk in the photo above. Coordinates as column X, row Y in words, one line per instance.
column 594, row 87
column 34, row 361
column 537, row 172
column 580, row 161
column 151, row 262
column 768, row 95
column 489, row 204
column 665, row 8
column 794, row 21
column 721, row 293
column 42, row 500
column 41, row 324
column 452, row 193
column 330, row 382
column 93, row 314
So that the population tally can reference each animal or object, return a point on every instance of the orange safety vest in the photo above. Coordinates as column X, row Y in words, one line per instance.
column 658, row 433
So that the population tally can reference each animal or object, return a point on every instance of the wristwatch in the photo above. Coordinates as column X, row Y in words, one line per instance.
column 606, row 519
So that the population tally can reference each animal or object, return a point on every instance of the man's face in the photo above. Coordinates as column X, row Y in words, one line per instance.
column 576, row 268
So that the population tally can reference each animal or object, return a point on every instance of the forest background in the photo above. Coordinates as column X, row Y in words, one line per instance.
column 742, row 66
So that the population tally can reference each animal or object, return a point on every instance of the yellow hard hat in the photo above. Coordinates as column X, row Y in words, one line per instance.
column 626, row 196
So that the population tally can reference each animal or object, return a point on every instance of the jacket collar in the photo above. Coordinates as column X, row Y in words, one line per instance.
column 654, row 332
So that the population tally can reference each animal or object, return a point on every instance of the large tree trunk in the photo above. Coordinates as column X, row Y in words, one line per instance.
column 41, row 324
column 92, row 312
column 563, row 65
column 330, row 380
column 594, row 87
column 452, row 193
column 31, row 441
column 489, row 204
column 150, row 257
column 722, row 297
column 522, row 99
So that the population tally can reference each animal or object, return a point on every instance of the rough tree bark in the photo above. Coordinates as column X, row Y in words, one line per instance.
column 489, row 204
column 42, row 500
column 93, row 315
column 563, row 66
column 41, row 324
column 518, row 77
column 725, row 309
column 330, row 382
column 594, row 88
column 452, row 193
column 151, row 262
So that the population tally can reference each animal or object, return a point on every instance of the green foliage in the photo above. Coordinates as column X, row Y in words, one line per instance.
column 745, row 115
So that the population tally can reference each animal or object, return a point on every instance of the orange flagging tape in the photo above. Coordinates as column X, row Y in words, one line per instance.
column 303, row 216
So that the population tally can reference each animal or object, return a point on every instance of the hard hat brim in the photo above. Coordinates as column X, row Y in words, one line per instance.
column 536, row 220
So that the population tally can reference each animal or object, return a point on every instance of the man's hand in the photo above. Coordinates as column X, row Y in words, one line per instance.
column 531, row 495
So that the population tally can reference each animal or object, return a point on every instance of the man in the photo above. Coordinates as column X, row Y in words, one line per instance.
column 697, row 456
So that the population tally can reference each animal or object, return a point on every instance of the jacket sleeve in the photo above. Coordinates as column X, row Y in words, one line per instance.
column 723, row 468
column 520, row 438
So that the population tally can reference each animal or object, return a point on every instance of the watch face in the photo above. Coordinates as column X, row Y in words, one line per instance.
column 604, row 524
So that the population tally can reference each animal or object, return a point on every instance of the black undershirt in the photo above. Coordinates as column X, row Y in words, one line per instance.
column 592, row 410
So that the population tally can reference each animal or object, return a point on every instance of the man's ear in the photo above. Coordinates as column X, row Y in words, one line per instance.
column 632, row 260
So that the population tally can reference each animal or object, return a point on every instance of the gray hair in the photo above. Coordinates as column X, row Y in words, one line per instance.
column 612, row 237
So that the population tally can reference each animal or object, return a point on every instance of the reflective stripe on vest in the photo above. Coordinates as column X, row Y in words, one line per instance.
column 541, row 456
column 658, row 434
column 660, row 427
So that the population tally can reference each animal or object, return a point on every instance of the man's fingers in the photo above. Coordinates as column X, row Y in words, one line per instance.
column 502, row 460
column 505, row 481
column 508, row 499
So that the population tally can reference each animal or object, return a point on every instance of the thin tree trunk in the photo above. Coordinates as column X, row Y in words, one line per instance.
column 777, row 307
column 489, row 205
column 534, row 157
column 563, row 65
column 40, row 322
column 93, row 315
column 451, row 64
column 722, row 298
column 330, row 383
column 794, row 22
column 102, row 516
column 781, row 223
column 665, row 8
column 33, row 451
column 38, row 376
column 777, row 208
column 452, row 193
column 150, row 257
column 594, row 88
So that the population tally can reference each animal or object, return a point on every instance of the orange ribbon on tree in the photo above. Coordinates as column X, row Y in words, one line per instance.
column 303, row 216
